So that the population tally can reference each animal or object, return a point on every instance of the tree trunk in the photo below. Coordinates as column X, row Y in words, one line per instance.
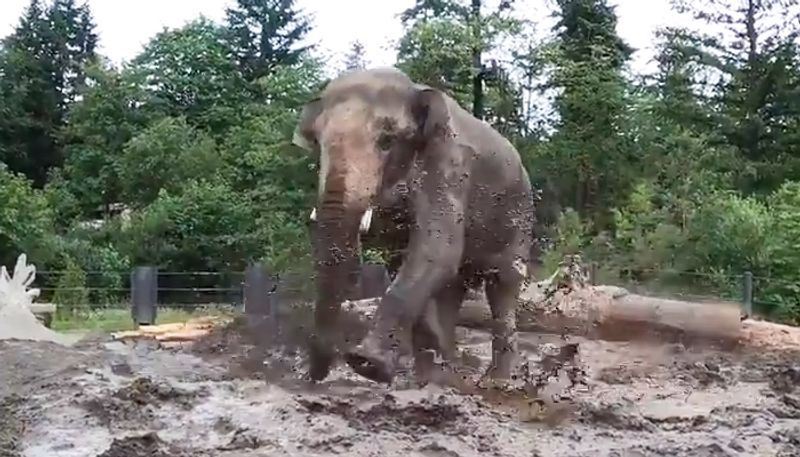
column 477, row 80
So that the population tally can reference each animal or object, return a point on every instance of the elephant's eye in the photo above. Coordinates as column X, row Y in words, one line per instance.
column 385, row 141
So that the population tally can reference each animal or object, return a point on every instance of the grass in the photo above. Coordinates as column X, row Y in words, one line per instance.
column 119, row 319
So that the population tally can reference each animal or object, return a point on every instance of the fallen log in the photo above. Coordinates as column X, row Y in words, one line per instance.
column 627, row 318
column 565, row 303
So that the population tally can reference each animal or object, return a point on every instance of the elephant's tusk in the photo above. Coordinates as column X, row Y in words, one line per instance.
column 366, row 220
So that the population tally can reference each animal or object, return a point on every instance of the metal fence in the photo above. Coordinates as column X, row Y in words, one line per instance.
column 145, row 289
column 259, row 291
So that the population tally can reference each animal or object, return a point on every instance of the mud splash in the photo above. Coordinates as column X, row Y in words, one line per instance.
column 240, row 393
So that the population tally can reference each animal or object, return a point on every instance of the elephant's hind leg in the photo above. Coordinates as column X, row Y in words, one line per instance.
column 502, row 292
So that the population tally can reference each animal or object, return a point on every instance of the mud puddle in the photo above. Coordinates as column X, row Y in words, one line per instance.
column 241, row 394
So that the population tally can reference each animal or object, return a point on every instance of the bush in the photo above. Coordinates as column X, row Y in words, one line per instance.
column 569, row 237
column 71, row 295
column 26, row 221
column 206, row 226
column 732, row 233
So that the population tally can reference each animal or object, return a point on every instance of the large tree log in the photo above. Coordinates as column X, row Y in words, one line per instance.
column 564, row 303
column 623, row 318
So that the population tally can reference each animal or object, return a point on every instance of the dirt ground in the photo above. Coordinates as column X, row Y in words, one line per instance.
column 238, row 392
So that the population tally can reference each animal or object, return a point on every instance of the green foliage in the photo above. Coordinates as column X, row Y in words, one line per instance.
column 98, row 128
column 588, row 155
column 42, row 72
column 782, row 294
column 165, row 156
column 732, row 233
column 71, row 295
column 183, row 157
column 569, row 237
column 442, row 39
column 192, row 72
column 204, row 223
column 439, row 53
column 26, row 220
column 265, row 34
column 95, row 252
column 376, row 256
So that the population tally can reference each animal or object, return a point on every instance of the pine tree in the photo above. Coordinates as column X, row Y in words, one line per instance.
column 266, row 33
column 355, row 59
column 42, row 67
column 757, row 67
column 588, row 71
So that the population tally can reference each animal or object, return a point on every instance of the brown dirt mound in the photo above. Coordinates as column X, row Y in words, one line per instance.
column 135, row 402
column 11, row 427
column 147, row 445
column 391, row 415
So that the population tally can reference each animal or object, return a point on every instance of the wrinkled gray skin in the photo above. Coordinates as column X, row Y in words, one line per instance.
column 415, row 156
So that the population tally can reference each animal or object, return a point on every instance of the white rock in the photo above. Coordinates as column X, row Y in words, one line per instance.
column 17, row 321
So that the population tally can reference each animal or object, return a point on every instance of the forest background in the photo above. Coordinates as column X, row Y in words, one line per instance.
column 181, row 158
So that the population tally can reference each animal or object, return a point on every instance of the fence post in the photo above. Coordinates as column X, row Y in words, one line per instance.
column 593, row 273
column 144, row 295
column 747, row 293
column 258, row 288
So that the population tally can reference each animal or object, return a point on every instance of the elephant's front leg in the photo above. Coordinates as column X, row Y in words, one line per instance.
column 399, row 312
column 435, row 333
column 432, row 262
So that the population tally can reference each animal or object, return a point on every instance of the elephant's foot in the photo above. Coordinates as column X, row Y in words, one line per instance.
column 371, row 361
column 427, row 370
column 320, row 362
column 425, row 367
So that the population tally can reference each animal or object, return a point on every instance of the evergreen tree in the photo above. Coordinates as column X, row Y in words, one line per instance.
column 588, row 151
column 42, row 67
column 756, row 64
column 677, row 79
column 266, row 33
column 355, row 59
column 28, row 138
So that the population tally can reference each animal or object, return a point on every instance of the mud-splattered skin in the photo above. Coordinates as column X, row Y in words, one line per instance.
column 414, row 155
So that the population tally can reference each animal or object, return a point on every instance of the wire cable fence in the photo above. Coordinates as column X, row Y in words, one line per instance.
column 93, row 291
column 190, row 291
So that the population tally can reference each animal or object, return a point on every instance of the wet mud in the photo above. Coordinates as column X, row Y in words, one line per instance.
column 240, row 392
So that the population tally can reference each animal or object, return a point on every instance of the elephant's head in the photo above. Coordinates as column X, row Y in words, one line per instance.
column 367, row 127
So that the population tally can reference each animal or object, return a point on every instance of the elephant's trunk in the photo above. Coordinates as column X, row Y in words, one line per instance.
column 339, row 214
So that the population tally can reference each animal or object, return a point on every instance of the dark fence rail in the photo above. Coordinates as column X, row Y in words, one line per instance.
column 258, row 290
column 145, row 289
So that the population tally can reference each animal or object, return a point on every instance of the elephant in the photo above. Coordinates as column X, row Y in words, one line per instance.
column 405, row 163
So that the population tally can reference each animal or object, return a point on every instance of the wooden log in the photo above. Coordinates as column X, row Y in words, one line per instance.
column 607, row 314
column 182, row 331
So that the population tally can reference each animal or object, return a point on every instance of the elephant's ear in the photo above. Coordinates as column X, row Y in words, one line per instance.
column 305, row 134
column 429, row 108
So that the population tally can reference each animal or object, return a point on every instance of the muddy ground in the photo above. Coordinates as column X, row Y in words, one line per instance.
column 239, row 393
